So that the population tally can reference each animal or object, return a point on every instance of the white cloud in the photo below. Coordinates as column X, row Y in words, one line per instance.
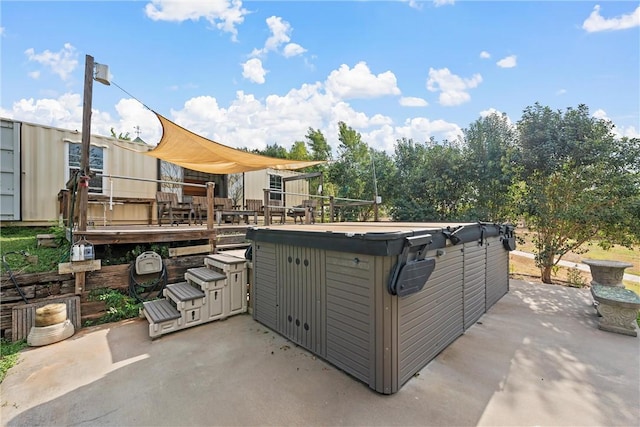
column 293, row 49
column 595, row 22
column 439, row 3
column 628, row 131
column 2, row 31
column 485, row 55
column 491, row 110
column 246, row 121
column 253, row 70
column 452, row 88
column 280, row 34
column 411, row 101
column 35, row 75
column 226, row 15
column 62, row 63
column 508, row 62
column 561, row 92
column 280, row 31
column 600, row 114
column 359, row 82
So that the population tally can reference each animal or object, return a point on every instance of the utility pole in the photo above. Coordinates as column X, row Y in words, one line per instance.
column 85, row 169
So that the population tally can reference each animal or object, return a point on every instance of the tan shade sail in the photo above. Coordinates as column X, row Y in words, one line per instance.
column 191, row 151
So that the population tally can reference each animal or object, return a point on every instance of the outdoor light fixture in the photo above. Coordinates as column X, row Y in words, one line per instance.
column 102, row 74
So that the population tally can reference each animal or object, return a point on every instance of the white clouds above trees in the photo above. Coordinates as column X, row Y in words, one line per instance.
column 453, row 89
column 253, row 70
column 508, row 62
column 62, row 63
column 411, row 101
column 360, row 82
column 225, row 15
column 596, row 22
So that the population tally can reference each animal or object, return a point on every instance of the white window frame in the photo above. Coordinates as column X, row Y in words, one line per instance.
column 278, row 194
column 103, row 171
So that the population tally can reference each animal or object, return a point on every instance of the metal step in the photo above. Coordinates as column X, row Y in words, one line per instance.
column 160, row 310
column 184, row 292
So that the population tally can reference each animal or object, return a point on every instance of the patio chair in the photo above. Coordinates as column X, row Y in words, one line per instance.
column 199, row 208
column 300, row 211
column 225, row 206
column 255, row 205
column 276, row 210
column 169, row 207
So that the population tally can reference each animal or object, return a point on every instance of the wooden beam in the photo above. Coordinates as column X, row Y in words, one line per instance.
column 302, row 176
column 79, row 266
column 191, row 250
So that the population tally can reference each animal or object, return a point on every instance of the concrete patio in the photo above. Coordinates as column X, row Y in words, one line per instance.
column 536, row 358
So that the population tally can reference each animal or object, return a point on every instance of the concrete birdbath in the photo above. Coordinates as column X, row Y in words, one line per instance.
column 607, row 272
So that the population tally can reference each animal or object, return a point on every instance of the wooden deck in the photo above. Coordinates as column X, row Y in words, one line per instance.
column 154, row 234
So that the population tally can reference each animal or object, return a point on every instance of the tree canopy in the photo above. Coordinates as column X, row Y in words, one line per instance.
column 566, row 173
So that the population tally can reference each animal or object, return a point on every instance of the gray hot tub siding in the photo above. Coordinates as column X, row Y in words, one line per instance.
column 336, row 304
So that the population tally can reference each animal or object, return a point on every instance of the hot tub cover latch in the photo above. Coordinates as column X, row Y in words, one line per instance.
column 409, row 277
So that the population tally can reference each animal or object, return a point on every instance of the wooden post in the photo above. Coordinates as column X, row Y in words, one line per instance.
column 267, row 209
column 85, row 168
column 211, row 186
column 331, row 208
column 375, row 211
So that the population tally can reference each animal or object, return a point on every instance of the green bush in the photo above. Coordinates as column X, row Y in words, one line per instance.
column 119, row 306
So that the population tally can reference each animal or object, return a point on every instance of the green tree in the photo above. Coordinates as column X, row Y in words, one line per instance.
column 431, row 182
column 351, row 174
column 488, row 143
column 274, row 150
column 298, row 151
column 320, row 148
column 124, row 137
column 577, row 183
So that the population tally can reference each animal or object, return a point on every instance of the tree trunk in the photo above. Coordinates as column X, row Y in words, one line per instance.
column 545, row 273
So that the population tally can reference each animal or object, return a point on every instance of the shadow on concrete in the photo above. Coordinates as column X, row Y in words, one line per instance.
column 537, row 358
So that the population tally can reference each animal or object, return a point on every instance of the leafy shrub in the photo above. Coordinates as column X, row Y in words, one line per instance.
column 575, row 278
column 119, row 306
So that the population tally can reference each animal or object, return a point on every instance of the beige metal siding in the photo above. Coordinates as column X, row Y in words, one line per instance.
column 255, row 182
column 432, row 318
column 44, row 173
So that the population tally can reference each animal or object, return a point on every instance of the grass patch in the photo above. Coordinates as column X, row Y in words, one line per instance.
column 617, row 253
column 19, row 245
column 9, row 353
column 524, row 268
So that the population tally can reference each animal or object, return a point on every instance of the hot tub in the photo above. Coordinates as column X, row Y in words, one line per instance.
column 378, row 300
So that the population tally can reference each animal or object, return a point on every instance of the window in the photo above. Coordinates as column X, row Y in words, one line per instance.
column 96, row 163
column 275, row 184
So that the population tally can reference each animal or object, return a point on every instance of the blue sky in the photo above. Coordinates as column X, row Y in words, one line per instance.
column 252, row 73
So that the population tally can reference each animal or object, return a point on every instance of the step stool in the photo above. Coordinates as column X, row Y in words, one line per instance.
column 163, row 317
column 235, row 269
column 189, row 302
column 214, row 284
